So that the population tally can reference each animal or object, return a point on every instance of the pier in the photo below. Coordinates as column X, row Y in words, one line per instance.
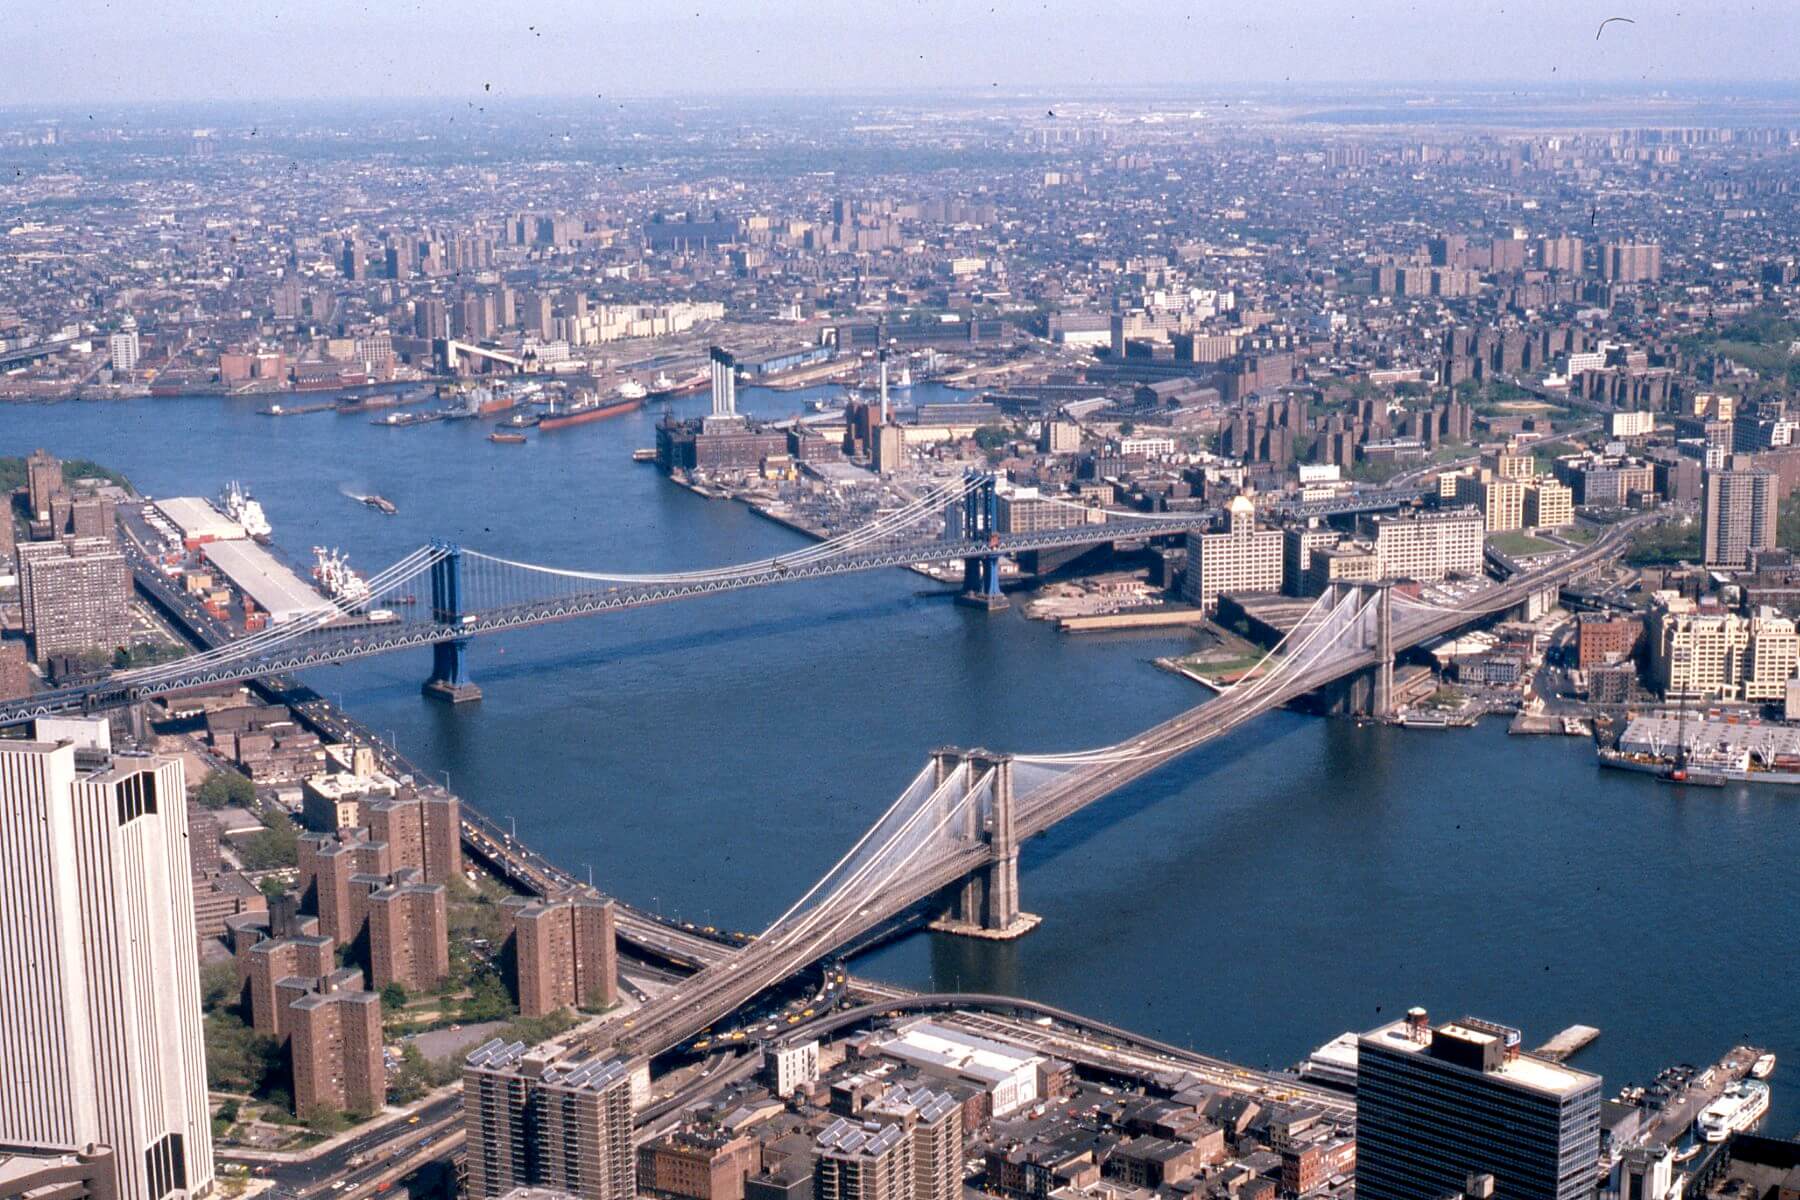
column 1569, row 1042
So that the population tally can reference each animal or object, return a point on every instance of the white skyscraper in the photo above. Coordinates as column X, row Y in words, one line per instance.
column 99, row 982
column 124, row 346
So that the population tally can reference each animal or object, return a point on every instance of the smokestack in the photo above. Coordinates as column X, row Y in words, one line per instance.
column 884, row 400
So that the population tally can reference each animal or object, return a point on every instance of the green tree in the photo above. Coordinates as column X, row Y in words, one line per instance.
column 992, row 437
column 278, row 845
column 393, row 997
column 219, row 987
column 239, row 1059
column 221, row 788
column 414, row 1076
column 328, row 1122
column 487, row 1001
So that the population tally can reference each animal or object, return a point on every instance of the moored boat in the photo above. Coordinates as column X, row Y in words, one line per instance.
column 1739, row 1107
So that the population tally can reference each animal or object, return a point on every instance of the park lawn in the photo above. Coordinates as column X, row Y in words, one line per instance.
column 1519, row 544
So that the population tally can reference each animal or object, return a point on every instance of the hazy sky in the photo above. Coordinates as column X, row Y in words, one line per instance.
column 61, row 51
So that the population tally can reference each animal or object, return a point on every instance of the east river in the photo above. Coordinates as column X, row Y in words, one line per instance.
column 711, row 758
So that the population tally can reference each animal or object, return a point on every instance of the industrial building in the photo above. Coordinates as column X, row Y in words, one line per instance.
column 266, row 580
column 1009, row 1074
column 198, row 521
column 1243, row 558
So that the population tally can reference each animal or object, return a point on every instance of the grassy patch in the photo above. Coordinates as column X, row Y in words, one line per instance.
column 1519, row 544
column 1579, row 534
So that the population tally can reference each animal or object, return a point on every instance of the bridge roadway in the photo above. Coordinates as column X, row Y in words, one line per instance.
column 343, row 643
column 720, row 988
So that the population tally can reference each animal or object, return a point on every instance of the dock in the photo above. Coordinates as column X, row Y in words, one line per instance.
column 296, row 410
column 1567, row 1043
column 1154, row 618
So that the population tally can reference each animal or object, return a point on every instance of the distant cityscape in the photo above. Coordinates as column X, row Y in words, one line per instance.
column 1407, row 421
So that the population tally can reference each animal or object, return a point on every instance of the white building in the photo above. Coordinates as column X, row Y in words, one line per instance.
column 1430, row 546
column 1008, row 1073
column 99, row 980
column 1241, row 559
column 1149, row 447
column 124, row 346
column 1026, row 510
column 796, row 1066
column 1713, row 654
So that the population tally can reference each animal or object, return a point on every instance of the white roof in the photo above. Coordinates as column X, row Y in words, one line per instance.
column 1525, row 1070
column 965, row 1053
column 196, row 518
column 259, row 575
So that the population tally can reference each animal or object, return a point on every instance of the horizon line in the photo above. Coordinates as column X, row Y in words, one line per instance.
column 1143, row 91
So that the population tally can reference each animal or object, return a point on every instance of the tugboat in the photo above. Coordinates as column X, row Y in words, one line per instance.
column 380, row 504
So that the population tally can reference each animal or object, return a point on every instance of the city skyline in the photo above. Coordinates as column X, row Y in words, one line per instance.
column 91, row 52
column 880, row 628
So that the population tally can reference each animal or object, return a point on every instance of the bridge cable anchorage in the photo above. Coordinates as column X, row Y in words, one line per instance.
column 402, row 572
column 931, row 504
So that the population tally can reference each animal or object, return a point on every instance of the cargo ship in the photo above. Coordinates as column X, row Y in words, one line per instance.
column 487, row 401
column 1738, row 1108
column 357, row 404
column 1707, row 751
column 236, row 503
column 294, row 410
column 335, row 580
column 663, row 387
column 592, row 408
column 402, row 420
